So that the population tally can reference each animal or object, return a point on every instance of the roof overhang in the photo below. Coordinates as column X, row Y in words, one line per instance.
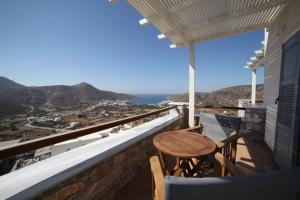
column 186, row 22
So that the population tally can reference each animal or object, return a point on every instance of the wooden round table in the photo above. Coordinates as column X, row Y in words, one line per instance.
column 183, row 145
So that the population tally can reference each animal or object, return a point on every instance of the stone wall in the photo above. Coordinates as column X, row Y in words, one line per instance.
column 254, row 122
column 108, row 177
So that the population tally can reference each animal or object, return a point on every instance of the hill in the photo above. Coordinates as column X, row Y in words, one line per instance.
column 6, row 83
column 14, row 96
column 226, row 96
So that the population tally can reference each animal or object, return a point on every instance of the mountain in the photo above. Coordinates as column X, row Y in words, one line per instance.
column 226, row 96
column 6, row 83
column 16, row 96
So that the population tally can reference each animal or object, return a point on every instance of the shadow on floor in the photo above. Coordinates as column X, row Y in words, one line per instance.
column 254, row 154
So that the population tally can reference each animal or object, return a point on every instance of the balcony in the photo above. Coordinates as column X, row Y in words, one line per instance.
column 116, row 167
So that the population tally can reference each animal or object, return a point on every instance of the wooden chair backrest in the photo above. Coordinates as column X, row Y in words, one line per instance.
column 232, row 122
column 157, row 178
column 224, row 130
column 196, row 129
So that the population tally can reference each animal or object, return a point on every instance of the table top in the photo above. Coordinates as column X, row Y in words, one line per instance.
column 184, row 144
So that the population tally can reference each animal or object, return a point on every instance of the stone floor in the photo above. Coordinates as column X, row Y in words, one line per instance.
column 251, row 153
column 255, row 155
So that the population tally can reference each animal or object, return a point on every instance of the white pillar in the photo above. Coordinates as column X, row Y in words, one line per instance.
column 253, row 91
column 191, row 85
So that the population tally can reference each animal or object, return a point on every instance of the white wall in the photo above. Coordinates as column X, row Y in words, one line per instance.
column 287, row 24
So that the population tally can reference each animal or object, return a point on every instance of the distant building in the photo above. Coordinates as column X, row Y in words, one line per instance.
column 73, row 125
column 59, row 119
column 104, row 114
column 81, row 114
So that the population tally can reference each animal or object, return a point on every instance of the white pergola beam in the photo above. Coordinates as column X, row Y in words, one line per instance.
column 161, row 36
column 175, row 9
column 191, row 85
column 250, row 64
column 261, row 63
column 196, row 25
column 163, row 14
column 259, row 53
column 253, row 59
column 173, row 46
column 255, row 64
column 266, row 37
column 253, row 87
column 233, row 32
column 181, row 22
column 143, row 22
column 184, row 5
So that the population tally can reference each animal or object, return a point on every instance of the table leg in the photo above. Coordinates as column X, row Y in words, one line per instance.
column 184, row 166
column 163, row 163
column 190, row 168
column 178, row 162
column 178, row 169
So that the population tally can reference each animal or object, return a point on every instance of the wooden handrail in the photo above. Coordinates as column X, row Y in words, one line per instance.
column 24, row 147
column 219, row 107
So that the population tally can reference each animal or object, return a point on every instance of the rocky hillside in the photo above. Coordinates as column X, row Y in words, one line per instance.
column 14, row 95
column 5, row 83
column 226, row 96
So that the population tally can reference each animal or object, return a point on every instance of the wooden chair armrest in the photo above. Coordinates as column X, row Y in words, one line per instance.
column 196, row 129
column 227, row 165
column 158, row 177
column 221, row 144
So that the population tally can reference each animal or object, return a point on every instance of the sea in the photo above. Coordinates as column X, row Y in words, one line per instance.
column 148, row 99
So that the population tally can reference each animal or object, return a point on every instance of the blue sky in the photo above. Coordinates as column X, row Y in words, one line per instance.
column 71, row 41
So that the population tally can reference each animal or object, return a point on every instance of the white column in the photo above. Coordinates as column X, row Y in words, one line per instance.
column 191, row 85
column 253, row 91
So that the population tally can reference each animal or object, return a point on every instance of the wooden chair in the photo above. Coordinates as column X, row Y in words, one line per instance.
column 157, row 178
column 222, row 167
column 225, row 167
column 224, row 130
column 283, row 184
column 228, row 147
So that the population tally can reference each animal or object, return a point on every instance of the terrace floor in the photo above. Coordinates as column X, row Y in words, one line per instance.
column 251, row 153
